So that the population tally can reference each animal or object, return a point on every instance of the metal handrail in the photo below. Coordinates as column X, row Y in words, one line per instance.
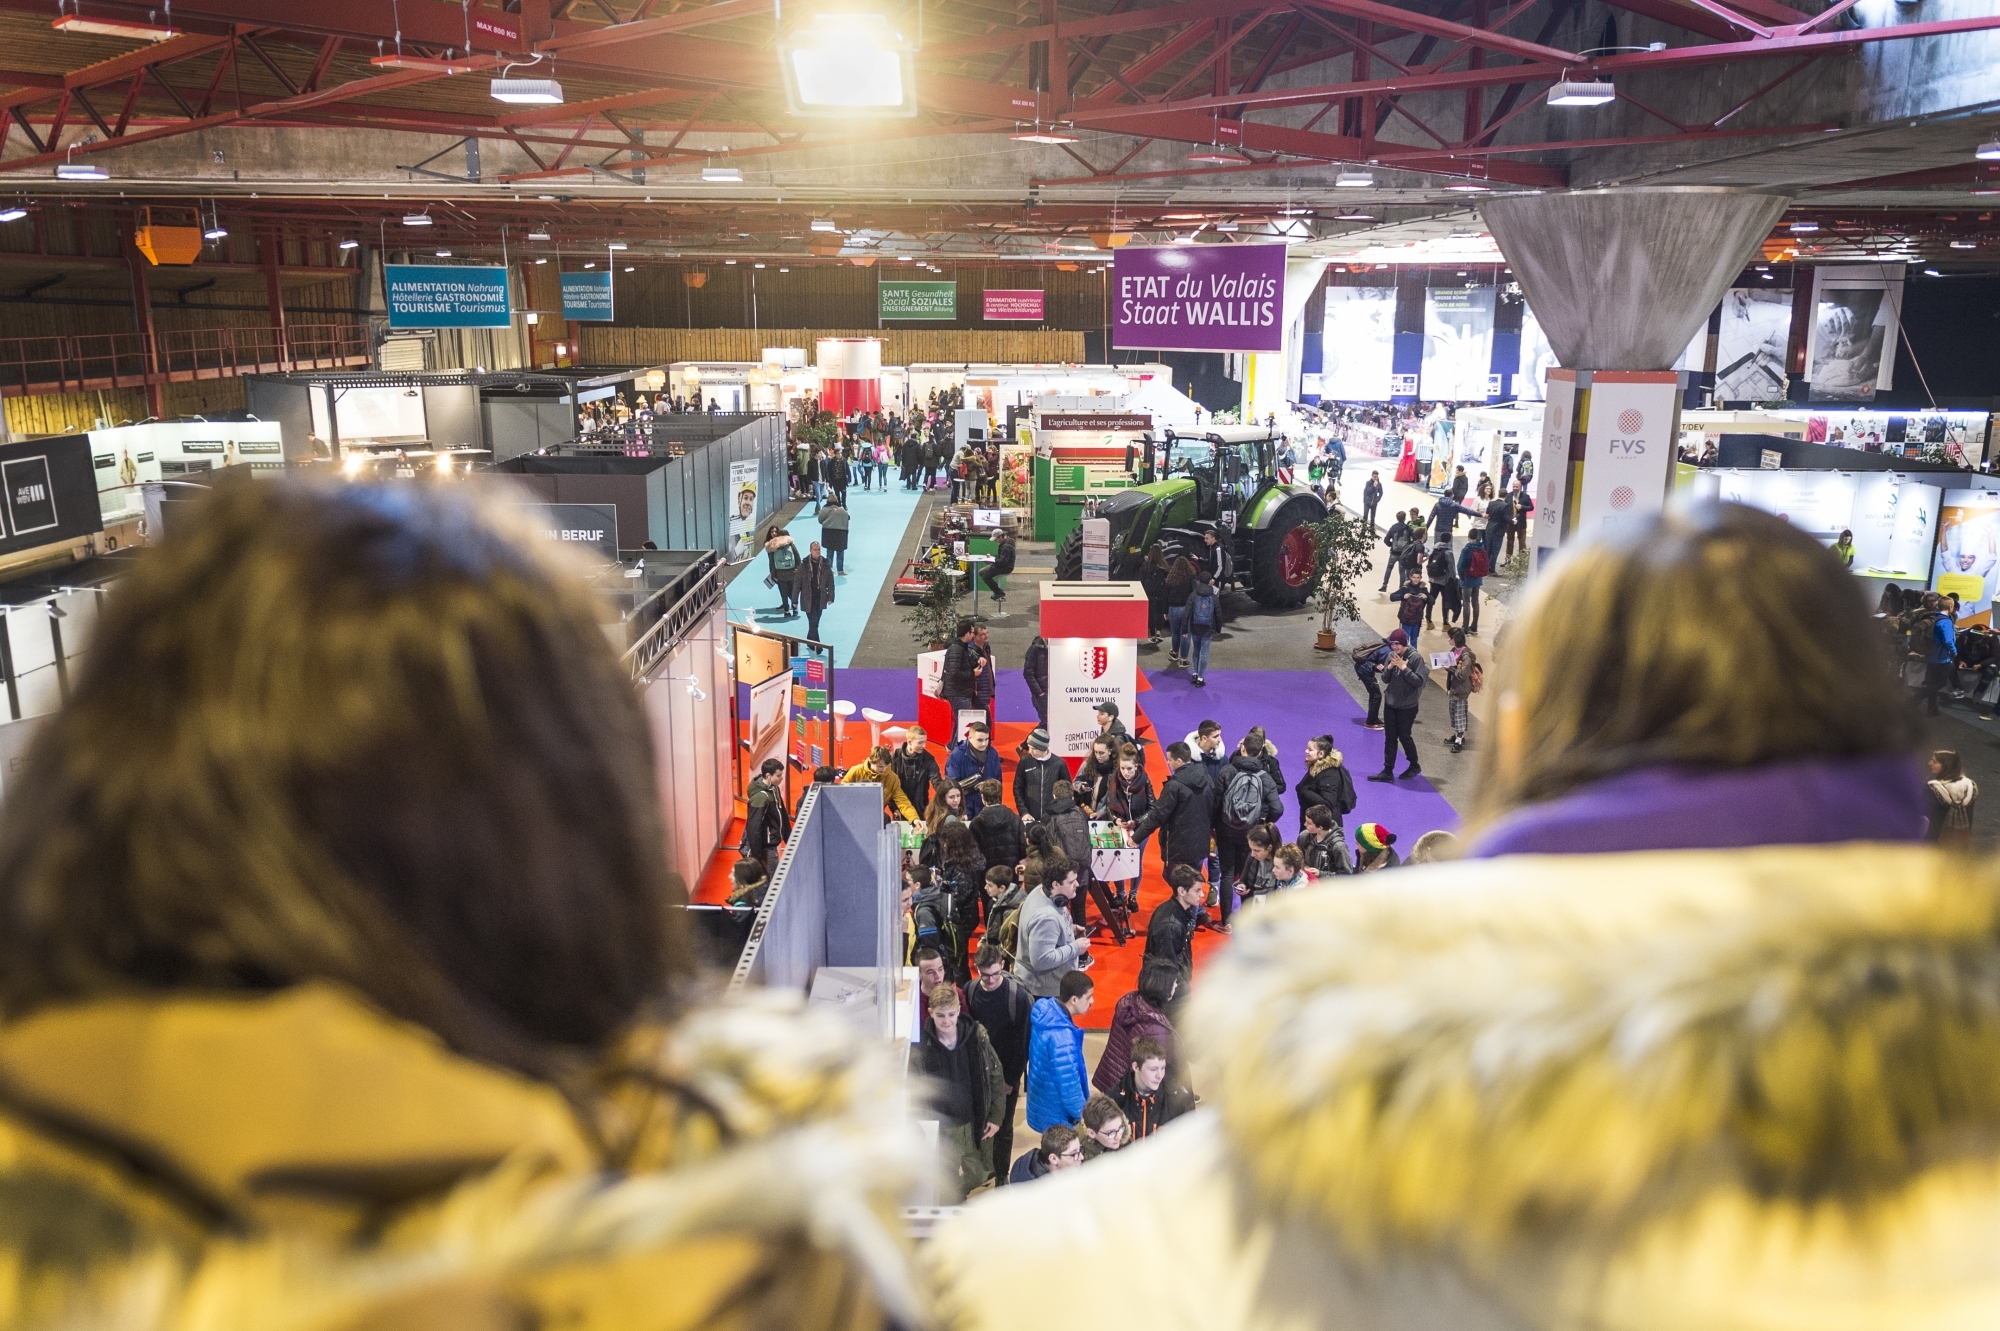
column 72, row 361
column 684, row 614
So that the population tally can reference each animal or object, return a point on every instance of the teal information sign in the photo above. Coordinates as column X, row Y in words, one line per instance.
column 586, row 297
column 441, row 296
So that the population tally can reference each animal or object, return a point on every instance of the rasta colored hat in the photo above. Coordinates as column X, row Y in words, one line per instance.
column 1108, row 708
column 1374, row 836
column 1038, row 738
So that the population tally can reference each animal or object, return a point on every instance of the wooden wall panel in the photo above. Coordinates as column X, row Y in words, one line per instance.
column 660, row 346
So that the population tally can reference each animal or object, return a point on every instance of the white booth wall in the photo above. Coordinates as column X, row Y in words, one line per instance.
column 175, row 451
column 691, row 743
column 1894, row 515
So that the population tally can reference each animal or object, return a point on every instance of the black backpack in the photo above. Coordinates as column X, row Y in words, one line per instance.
column 1439, row 567
column 1924, row 636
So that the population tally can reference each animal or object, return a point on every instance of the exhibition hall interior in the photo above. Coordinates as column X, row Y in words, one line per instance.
column 987, row 665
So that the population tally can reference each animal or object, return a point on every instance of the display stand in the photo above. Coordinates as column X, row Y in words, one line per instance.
column 1093, row 631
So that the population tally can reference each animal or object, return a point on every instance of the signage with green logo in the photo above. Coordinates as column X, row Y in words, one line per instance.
column 919, row 300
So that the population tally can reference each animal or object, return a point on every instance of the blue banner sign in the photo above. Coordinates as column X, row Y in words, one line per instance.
column 586, row 297
column 441, row 296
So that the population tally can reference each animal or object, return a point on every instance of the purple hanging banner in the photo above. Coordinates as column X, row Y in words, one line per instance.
column 1199, row 298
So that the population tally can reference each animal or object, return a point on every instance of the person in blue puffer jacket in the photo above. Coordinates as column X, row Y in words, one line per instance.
column 1058, row 1082
column 973, row 760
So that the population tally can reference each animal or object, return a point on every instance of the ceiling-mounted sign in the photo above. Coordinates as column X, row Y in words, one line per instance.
column 919, row 300
column 438, row 296
column 1022, row 305
column 586, row 297
column 1199, row 298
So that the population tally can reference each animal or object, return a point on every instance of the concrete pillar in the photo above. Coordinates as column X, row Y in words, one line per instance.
column 1266, row 382
column 1619, row 281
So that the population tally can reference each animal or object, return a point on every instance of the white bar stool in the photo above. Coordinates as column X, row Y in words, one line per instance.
column 842, row 709
column 875, row 716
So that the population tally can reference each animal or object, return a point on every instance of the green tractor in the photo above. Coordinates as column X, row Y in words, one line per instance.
column 1225, row 481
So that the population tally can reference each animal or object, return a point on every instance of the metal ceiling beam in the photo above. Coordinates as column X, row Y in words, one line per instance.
column 722, row 11
column 1138, row 20
column 1415, row 22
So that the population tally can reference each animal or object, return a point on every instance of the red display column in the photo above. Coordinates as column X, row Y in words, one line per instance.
column 1093, row 631
column 850, row 374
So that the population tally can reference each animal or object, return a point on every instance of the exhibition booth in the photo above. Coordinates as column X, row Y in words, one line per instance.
column 126, row 459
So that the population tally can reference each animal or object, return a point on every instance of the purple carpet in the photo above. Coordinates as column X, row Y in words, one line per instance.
column 1293, row 706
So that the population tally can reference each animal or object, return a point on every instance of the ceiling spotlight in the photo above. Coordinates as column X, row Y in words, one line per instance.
column 844, row 64
column 538, row 235
column 444, row 254
column 1804, row 228
column 214, row 233
column 416, row 219
column 1469, row 187
column 903, row 258
column 540, row 262
column 618, row 245
column 528, row 92
column 350, row 244
column 81, row 171
column 1225, row 226
column 634, row 270
column 784, row 270
column 591, row 264
column 730, row 262
column 1581, row 94
column 1989, row 152
column 1187, row 239
column 1049, row 134
column 823, row 224
column 1932, row 272
column 13, row 214
column 722, row 175
column 1354, row 217
column 131, row 30
column 760, row 265
column 1354, row 180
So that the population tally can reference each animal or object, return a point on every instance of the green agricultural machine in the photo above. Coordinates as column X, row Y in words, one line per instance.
column 1225, row 481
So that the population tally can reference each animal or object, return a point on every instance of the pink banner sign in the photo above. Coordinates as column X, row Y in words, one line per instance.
column 1025, row 305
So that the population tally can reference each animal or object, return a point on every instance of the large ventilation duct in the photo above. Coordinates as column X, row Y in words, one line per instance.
column 1621, row 279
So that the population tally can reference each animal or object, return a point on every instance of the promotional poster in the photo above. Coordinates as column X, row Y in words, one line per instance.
column 1750, row 347
column 1852, row 348
column 1082, row 673
column 1458, row 343
column 1198, row 298
column 1359, row 349
column 1537, row 359
column 1967, row 551
column 1628, row 449
column 743, row 542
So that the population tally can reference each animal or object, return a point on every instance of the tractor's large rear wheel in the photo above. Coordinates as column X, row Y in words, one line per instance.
column 1282, row 577
column 1069, row 557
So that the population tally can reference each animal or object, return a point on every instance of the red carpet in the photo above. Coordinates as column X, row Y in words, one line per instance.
column 1116, row 970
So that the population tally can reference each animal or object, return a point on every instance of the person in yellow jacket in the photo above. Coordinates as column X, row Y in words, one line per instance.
column 880, row 770
column 1697, row 1032
column 340, row 984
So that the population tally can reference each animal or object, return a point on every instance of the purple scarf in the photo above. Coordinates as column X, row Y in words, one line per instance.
column 1814, row 801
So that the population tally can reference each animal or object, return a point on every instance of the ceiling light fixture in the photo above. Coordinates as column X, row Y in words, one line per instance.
column 444, row 254
column 540, row 262
column 848, row 64
column 1217, row 155
column 904, row 258
column 722, row 175
column 1049, row 134
column 1989, row 152
column 631, row 270
column 1581, row 94
column 591, row 264
column 1353, row 217
column 416, row 219
column 538, row 235
column 619, row 245
column 214, row 233
column 1804, row 228
column 81, row 171
column 1354, row 180
column 1469, row 187
column 730, row 262
column 13, row 214
column 823, row 224
column 130, row 29
column 527, row 92
column 1932, row 272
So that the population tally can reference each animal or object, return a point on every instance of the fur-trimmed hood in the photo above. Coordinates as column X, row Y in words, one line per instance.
column 297, row 1161
column 1748, row 1089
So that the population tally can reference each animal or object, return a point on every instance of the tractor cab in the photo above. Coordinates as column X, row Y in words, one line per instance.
column 1228, row 466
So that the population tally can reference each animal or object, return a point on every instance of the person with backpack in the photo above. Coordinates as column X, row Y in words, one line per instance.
column 1395, row 538
column 1368, row 662
column 1951, row 794
column 999, row 1004
column 1249, row 797
column 1443, row 573
column 783, row 558
column 1204, row 616
column 1934, row 641
column 1035, row 671
column 1412, row 599
column 1327, row 782
column 1463, row 678
column 1474, row 563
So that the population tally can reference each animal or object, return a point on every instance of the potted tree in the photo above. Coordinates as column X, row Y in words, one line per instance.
column 932, row 618
column 1342, row 545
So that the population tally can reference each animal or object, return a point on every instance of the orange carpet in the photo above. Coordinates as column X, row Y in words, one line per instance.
column 1116, row 970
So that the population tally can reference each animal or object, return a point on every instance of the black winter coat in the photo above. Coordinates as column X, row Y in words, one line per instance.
column 1035, row 667
column 1332, row 787
column 919, row 776
column 1001, row 838
column 1184, row 814
column 1034, row 783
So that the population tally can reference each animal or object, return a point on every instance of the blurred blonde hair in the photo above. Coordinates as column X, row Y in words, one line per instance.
column 1714, row 636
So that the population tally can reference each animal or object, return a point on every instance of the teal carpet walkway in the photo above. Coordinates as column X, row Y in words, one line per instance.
column 873, row 538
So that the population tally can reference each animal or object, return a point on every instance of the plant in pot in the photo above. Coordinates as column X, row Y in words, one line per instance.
column 1342, row 545
column 932, row 618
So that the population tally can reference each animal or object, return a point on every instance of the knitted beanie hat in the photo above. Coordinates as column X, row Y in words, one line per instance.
column 1374, row 836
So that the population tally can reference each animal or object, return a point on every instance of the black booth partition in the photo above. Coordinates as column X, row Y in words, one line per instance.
column 677, row 503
